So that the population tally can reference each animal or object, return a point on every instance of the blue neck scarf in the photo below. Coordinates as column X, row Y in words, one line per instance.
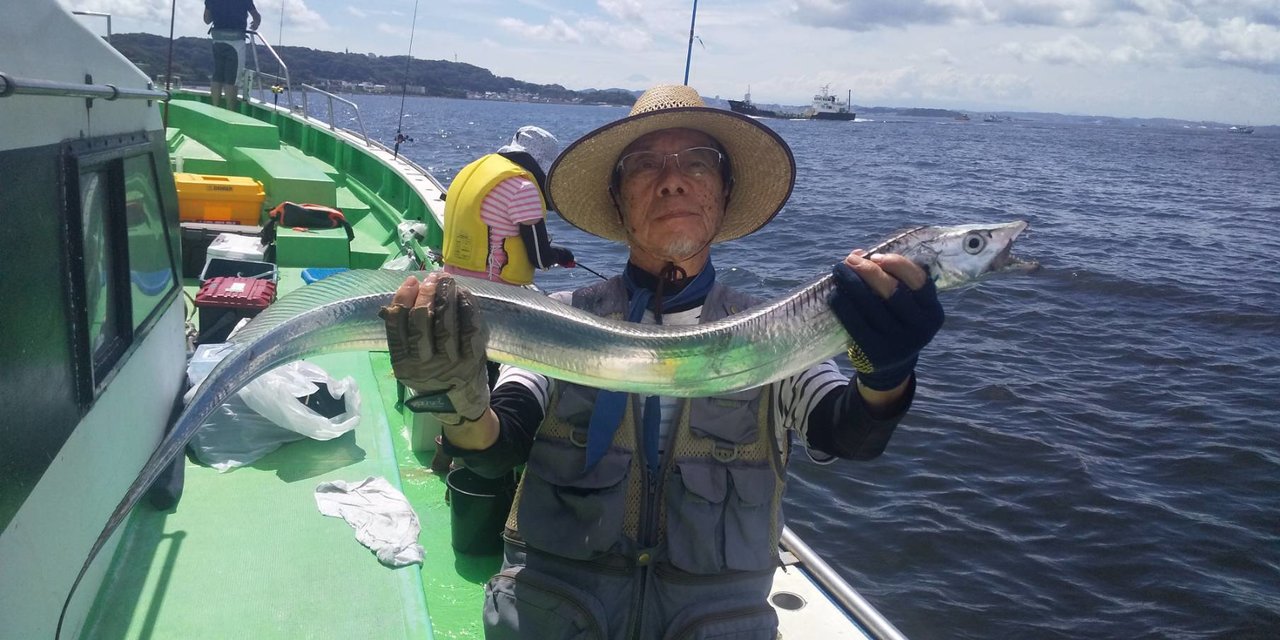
column 606, row 417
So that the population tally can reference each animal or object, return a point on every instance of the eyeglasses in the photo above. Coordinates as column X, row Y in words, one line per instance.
column 694, row 161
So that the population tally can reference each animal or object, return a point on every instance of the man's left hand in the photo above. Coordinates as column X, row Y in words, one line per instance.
column 890, row 308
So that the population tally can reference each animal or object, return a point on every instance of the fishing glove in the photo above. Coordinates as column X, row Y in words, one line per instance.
column 887, row 334
column 438, row 351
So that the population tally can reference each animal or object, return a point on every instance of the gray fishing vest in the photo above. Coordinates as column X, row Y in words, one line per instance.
column 693, row 545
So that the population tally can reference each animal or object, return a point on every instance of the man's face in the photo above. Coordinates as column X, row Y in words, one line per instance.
column 671, row 214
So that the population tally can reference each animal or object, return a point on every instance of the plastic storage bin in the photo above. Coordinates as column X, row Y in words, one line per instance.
column 208, row 198
column 224, row 301
column 198, row 236
column 320, row 273
column 234, row 246
column 226, row 267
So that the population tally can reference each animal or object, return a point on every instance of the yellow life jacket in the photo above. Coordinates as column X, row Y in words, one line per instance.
column 466, row 236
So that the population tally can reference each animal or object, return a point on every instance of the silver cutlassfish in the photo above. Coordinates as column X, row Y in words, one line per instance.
column 760, row 345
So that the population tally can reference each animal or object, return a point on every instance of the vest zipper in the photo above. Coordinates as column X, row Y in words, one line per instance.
column 649, row 518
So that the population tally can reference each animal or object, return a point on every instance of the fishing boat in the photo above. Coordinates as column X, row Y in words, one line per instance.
column 827, row 107
column 102, row 286
column 1239, row 129
column 748, row 108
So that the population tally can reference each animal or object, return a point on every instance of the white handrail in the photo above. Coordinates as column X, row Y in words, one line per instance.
column 848, row 597
column 14, row 85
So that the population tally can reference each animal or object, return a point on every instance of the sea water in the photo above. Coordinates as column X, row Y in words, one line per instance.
column 1093, row 451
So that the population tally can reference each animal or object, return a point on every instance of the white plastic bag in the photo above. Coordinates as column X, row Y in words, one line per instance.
column 274, row 395
column 235, row 436
column 400, row 263
column 267, row 412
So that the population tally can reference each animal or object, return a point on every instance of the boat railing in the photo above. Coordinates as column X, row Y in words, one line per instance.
column 97, row 14
column 15, row 85
column 282, row 84
column 283, row 81
column 853, row 603
column 306, row 88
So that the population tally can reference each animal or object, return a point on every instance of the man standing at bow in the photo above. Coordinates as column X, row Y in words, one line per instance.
column 227, row 20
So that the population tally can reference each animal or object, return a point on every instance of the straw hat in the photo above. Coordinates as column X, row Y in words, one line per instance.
column 764, row 170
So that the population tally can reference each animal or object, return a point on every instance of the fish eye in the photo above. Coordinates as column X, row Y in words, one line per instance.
column 974, row 243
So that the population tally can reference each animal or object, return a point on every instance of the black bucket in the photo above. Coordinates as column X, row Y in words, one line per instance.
column 478, row 507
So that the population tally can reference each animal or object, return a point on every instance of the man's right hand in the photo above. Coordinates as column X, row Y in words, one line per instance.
column 437, row 339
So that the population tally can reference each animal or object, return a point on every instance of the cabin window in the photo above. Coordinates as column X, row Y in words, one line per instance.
column 106, row 317
column 120, row 242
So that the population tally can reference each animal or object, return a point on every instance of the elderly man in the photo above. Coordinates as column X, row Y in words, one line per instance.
column 638, row 517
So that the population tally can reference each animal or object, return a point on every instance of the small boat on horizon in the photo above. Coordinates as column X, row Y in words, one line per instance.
column 825, row 107
column 748, row 108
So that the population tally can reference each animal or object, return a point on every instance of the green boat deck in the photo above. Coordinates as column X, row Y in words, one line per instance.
column 246, row 553
column 299, row 164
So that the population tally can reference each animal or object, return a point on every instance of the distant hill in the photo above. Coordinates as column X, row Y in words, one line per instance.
column 193, row 63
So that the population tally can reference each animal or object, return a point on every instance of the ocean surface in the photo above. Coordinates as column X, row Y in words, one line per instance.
column 1093, row 451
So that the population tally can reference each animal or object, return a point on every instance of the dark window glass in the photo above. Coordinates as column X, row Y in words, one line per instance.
column 151, row 271
column 102, row 294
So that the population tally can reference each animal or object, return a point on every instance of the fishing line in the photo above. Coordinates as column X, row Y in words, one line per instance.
column 404, row 87
column 578, row 263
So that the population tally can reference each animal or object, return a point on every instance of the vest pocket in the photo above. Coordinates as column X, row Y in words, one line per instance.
column 720, row 518
column 522, row 603
column 717, row 621
column 576, row 404
column 731, row 418
column 566, row 511
column 695, row 498
column 748, row 520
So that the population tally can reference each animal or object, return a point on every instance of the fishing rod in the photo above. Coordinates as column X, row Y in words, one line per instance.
column 578, row 263
column 404, row 87
column 168, row 69
column 688, row 58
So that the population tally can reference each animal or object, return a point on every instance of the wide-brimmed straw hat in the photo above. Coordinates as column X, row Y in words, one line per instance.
column 764, row 170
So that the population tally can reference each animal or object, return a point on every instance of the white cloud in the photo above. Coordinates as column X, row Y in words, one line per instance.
column 153, row 15
column 944, row 56
column 298, row 17
column 555, row 30
column 582, row 31
column 1068, row 49
column 145, row 10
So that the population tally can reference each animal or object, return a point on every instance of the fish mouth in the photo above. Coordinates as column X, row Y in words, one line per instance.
column 1006, row 261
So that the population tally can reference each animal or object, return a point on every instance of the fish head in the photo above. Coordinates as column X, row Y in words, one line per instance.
column 962, row 254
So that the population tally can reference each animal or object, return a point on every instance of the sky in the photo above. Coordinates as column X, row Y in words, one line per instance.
column 1214, row 60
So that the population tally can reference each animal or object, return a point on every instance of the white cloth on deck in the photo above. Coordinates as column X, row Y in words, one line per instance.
column 382, row 517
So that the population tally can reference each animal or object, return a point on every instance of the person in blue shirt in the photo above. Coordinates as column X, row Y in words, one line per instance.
column 227, row 28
